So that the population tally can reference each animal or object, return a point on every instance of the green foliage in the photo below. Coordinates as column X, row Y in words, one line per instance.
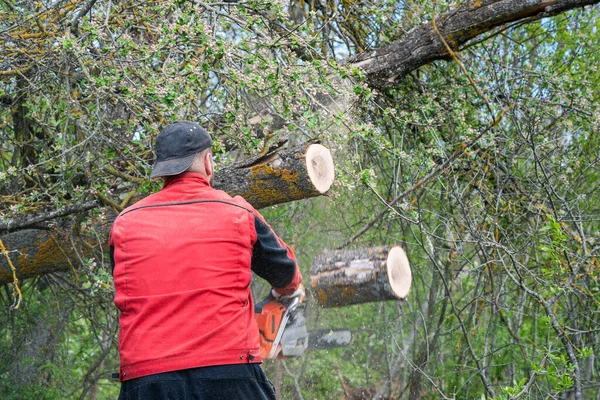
column 502, row 235
column 49, row 344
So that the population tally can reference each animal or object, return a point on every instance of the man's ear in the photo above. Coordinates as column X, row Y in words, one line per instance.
column 208, row 165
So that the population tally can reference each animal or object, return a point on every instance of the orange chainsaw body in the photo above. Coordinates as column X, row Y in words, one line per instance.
column 269, row 321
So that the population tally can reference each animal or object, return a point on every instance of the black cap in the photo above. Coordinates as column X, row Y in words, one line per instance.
column 177, row 146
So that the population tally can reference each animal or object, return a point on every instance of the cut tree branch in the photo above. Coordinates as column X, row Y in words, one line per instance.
column 341, row 278
column 280, row 176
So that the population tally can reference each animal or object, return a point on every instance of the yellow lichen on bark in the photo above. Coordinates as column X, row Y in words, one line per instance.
column 265, row 195
column 267, row 170
column 50, row 257
column 347, row 292
column 322, row 296
column 265, row 192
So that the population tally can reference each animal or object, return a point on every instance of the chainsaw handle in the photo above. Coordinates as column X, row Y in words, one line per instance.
column 300, row 293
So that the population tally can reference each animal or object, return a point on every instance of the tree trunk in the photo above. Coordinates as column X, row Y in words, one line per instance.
column 341, row 278
column 279, row 176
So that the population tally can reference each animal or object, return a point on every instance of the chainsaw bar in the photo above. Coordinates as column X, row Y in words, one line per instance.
column 323, row 339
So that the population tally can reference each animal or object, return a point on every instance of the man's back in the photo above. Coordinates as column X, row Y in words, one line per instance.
column 182, row 263
column 182, row 276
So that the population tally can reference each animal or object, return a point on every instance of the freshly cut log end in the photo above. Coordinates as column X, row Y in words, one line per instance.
column 341, row 278
column 399, row 273
column 319, row 165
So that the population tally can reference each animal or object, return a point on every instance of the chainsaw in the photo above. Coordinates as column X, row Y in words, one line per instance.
column 283, row 331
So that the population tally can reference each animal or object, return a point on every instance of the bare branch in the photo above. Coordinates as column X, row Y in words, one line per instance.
column 23, row 223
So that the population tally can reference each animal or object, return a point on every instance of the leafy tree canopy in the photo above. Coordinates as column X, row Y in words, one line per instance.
column 482, row 164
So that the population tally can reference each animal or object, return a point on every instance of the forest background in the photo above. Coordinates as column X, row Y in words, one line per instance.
column 465, row 131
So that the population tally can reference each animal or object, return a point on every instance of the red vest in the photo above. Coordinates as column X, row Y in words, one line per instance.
column 182, row 276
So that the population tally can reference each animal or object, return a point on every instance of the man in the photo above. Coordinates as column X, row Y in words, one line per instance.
column 182, row 264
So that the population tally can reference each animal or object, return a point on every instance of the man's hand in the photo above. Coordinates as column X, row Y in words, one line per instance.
column 300, row 293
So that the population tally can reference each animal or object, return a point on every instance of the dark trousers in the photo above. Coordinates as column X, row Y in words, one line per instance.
column 227, row 382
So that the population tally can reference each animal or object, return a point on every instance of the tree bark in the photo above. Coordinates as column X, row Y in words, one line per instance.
column 344, row 277
column 386, row 66
column 279, row 176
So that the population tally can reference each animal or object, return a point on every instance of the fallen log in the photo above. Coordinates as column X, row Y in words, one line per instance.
column 277, row 177
column 343, row 277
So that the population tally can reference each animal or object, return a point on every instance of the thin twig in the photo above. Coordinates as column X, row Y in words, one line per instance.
column 19, row 296
column 460, row 64
column 75, row 21
column 433, row 174
column 296, row 385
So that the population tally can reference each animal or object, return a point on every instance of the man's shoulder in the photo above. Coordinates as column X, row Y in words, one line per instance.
column 239, row 201
column 210, row 194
